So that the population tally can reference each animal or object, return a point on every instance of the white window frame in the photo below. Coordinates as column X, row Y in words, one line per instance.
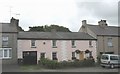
column 43, row 53
column 110, row 42
column 54, row 43
column 55, row 55
column 73, row 54
column 32, row 43
column 73, row 43
column 8, row 52
column 5, row 39
column 90, row 43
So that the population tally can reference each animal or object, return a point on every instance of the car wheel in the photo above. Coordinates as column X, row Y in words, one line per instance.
column 112, row 66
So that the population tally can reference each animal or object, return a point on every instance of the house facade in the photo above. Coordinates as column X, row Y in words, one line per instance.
column 107, row 36
column 61, row 46
column 30, row 47
column 8, row 42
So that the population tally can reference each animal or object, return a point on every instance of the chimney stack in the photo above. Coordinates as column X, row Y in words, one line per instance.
column 14, row 22
column 84, row 22
column 102, row 23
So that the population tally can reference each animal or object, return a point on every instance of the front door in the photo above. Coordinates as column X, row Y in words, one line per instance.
column 81, row 55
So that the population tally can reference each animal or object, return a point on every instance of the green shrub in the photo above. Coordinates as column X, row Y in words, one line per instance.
column 64, row 64
column 49, row 63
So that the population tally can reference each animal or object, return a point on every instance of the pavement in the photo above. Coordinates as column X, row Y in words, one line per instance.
column 11, row 68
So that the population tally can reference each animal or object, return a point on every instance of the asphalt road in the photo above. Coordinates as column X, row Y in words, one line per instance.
column 15, row 68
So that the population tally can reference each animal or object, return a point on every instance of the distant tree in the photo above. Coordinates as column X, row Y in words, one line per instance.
column 47, row 28
column 36, row 28
column 20, row 29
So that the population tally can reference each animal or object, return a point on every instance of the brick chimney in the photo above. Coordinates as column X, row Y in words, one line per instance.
column 102, row 23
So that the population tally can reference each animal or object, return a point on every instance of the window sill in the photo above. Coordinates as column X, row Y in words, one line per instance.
column 6, row 58
column 110, row 46
column 73, row 46
column 90, row 46
column 33, row 46
column 54, row 47
column 4, row 46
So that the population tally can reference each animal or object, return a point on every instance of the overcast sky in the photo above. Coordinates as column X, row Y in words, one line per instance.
column 68, row 13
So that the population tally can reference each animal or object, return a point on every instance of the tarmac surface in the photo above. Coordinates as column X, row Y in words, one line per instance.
column 17, row 68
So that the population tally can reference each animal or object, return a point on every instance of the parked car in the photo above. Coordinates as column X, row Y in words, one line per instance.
column 110, row 60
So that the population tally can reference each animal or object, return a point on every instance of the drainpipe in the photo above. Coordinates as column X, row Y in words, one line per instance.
column 103, row 45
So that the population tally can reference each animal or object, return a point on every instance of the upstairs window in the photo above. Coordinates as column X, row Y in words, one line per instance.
column 54, row 43
column 110, row 42
column 33, row 43
column 90, row 43
column 73, row 43
column 5, row 41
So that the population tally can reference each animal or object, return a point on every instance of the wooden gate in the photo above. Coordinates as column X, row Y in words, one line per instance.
column 29, row 57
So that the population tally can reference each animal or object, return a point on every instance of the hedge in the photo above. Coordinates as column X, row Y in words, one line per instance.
column 51, row 64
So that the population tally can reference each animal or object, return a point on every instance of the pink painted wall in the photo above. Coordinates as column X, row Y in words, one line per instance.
column 64, row 48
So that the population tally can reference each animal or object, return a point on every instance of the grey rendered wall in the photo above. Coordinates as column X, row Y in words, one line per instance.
column 13, row 45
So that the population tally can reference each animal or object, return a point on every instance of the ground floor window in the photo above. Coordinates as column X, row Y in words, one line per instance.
column 88, row 54
column 5, row 53
column 73, row 56
column 42, row 55
column 54, row 55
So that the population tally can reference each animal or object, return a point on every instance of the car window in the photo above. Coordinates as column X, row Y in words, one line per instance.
column 114, row 57
column 105, row 57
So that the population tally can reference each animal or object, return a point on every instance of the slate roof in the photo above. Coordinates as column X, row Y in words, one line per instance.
column 7, row 27
column 108, row 30
column 55, row 35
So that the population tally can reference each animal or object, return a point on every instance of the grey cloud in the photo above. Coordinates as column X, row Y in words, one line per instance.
column 100, row 10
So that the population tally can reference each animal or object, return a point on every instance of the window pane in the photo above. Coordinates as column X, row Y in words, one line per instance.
column 5, row 43
column 5, row 38
column 42, row 55
column 5, row 53
column 1, row 53
column 73, row 54
column 90, row 43
column 73, row 43
column 10, row 53
column 105, row 57
column 32, row 42
column 109, row 41
column 54, row 43
column 114, row 58
column 54, row 56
